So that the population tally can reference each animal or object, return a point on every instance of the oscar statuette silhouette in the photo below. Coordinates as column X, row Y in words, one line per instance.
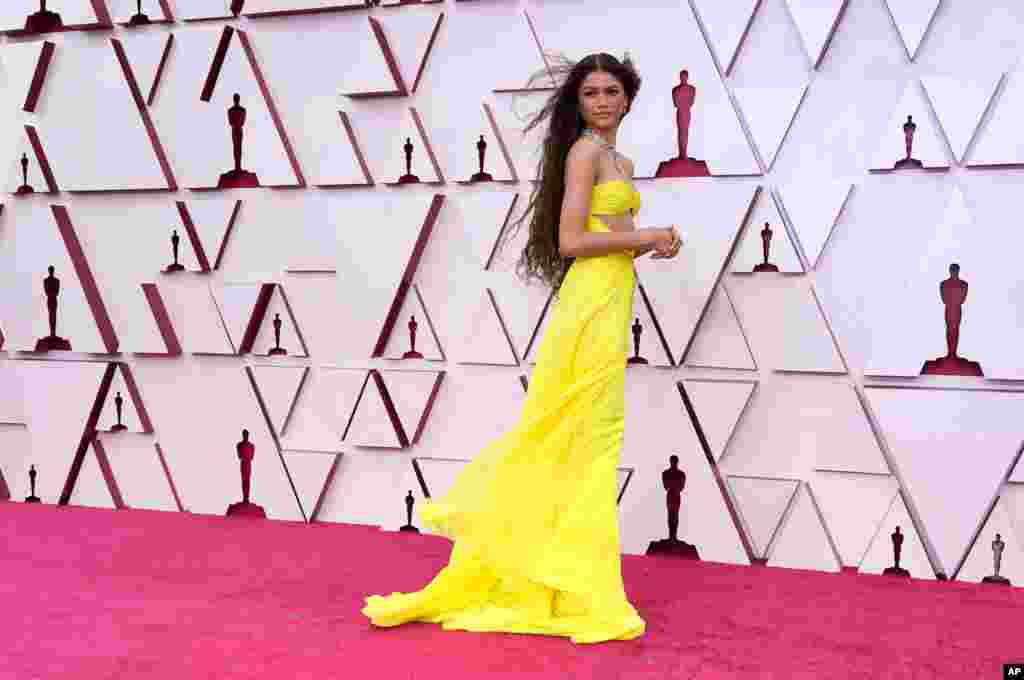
column 32, row 497
column 174, row 266
column 408, row 177
column 481, row 151
column 118, row 405
column 409, row 501
column 997, row 560
column 412, row 353
column 766, row 244
column 277, row 350
column 674, row 481
column 637, row 329
column 25, row 187
column 908, row 142
column 51, row 287
column 138, row 19
column 683, row 96
column 43, row 21
column 953, row 292
column 897, row 549
column 237, row 177
column 246, row 451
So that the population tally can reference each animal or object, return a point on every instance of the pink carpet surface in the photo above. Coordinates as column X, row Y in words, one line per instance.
column 134, row 594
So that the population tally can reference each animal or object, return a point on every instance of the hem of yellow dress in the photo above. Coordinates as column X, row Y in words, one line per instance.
column 580, row 629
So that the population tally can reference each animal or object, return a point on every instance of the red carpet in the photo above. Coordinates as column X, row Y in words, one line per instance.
column 136, row 595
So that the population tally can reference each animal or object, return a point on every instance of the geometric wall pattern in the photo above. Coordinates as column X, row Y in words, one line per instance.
column 218, row 194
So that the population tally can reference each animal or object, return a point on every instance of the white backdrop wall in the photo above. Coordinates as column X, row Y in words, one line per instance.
column 820, row 435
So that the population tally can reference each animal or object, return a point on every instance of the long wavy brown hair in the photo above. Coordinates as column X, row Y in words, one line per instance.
column 540, row 258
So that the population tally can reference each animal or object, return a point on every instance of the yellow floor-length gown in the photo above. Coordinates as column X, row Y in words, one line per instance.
column 533, row 516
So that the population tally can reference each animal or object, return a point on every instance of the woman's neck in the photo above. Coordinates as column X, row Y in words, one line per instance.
column 607, row 134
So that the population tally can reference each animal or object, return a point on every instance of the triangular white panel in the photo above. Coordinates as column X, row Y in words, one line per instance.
column 816, row 20
column 913, row 557
column 853, row 507
column 680, row 289
column 467, row 158
column 916, row 306
column 651, row 347
column 365, row 490
column 720, row 342
column 279, row 389
column 214, row 219
column 199, row 132
column 1001, row 141
column 981, row 560
column 129, row 416
column 704, row 518
column 422, row 163
column 719, row 405
column 1013, row 496
column 960, row 104
column 784, row 324
column 410, row 34
column 371, row 424
column 802, row 542
column 78, row 127
column 339, row 155
column 542, row 327
column 439, row 474
column 814, row 206
column 400, row 339
column 859, row 450
column 521, row 308
column 928, row 145
column 309, row 472
column 781, row 252
column 146, row 52
column 912, row 18
column 788, row 425
column 195, row 315
column 141, row 478
column 762, row 503
column 236, row 302
column 770, row 112
column 410, row 392
column 16, row 443
column 323, row 408
column 291, row 334
column 925, row 426
column 512, row 112
column 12, row 406
column 726, row 22
column 486, row 342
column 38, row 233
column 91, row 488
column 18, row 65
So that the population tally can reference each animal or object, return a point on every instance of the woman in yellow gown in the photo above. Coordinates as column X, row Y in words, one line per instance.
column 533, row 516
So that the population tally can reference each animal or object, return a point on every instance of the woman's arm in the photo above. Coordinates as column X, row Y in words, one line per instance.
column 573, row 238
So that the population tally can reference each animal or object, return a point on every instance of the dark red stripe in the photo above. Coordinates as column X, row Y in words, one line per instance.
column 39, row 77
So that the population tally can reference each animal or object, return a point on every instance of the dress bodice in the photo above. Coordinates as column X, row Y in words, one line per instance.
column 614, row 197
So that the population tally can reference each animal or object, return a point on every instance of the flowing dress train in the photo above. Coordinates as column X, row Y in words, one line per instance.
column 533, row 516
